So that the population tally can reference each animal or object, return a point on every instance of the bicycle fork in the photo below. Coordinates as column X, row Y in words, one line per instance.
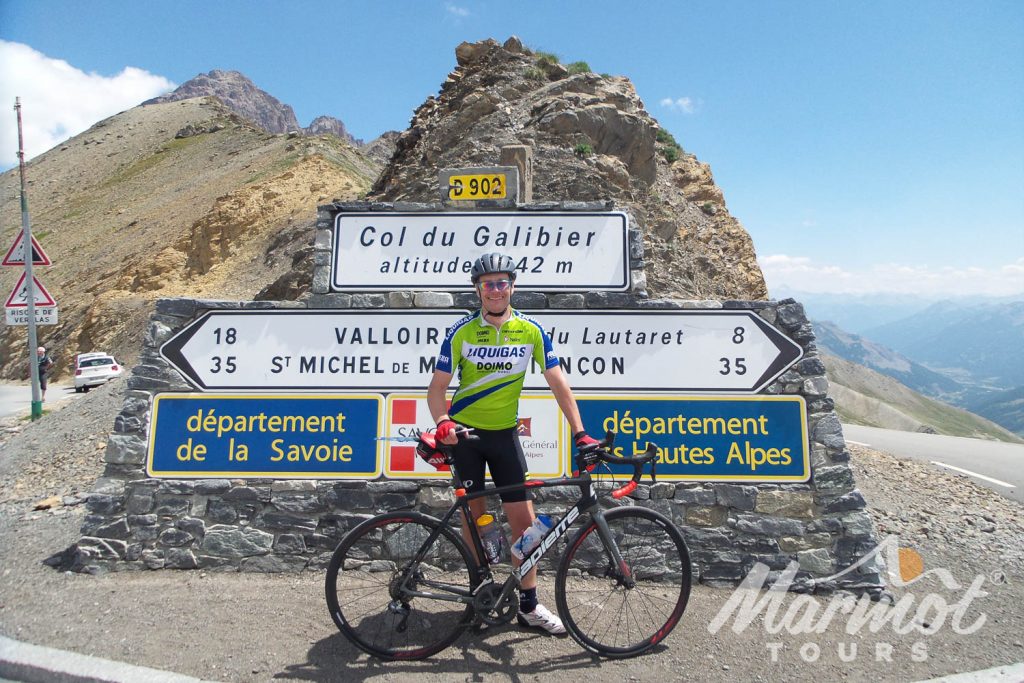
column 624, row 575
column 617, row 567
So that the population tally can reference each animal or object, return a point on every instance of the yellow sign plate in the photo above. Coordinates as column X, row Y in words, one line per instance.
column 481, row 186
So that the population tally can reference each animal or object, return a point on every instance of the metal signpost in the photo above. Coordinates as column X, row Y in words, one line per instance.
column 28, row 288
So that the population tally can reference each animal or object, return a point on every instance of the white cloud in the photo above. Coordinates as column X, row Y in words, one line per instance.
column 455, row 10
column 686, row 105
column 800, row 273
column 59, row 101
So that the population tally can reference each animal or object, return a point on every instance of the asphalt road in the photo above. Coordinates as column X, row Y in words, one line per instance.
column 17, row 398
column 997, row 465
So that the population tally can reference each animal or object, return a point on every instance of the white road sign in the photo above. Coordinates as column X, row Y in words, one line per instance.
column 45, row 315
column 293, row 349
column 696, row 351
column 553, row 251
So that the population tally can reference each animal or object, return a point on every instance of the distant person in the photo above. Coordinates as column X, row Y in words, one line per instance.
column 43, row 364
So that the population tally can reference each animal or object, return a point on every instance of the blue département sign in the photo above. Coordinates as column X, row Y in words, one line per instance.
column 705, row 438
column 300, row 436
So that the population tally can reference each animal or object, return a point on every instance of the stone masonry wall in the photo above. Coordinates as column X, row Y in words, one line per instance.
column 136, row 522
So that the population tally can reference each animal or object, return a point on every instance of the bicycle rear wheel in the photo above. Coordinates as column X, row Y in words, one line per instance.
column 372, row 573
column 600, row 612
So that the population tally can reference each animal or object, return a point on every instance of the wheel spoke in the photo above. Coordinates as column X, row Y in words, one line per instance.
column 604, row 615
column 376, row 556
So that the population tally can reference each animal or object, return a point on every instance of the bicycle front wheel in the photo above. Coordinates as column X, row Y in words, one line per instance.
column 392, row 605
column 601, row 610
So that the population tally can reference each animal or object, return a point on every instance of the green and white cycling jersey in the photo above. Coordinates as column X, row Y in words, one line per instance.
column 492, row 366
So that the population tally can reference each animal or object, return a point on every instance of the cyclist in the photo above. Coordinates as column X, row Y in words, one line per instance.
column 498, row 336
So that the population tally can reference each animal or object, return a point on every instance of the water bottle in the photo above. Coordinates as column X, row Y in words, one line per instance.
column 531, row 537
column 490, row 537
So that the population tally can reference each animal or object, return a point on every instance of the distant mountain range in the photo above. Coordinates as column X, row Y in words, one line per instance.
column 861, row 313
column 862, row 351
column 966, row 354
column 978, row 344
column 866, row 397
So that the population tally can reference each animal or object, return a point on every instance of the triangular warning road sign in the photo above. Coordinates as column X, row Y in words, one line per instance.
column 19, row 297
column 16, row 254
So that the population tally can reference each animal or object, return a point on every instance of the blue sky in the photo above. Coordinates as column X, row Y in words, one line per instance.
column 866, row 147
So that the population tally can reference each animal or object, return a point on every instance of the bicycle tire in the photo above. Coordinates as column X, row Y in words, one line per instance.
column 364, row 572
column 598, row 611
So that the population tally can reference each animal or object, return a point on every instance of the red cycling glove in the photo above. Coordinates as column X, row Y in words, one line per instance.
column 585, row 442
column 445, row 428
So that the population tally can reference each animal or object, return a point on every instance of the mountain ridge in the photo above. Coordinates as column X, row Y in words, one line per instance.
column 183, row 198
column 974, row 340
column 592, row 140
column 1003, row 408
column 866, row 397
column 242, row 96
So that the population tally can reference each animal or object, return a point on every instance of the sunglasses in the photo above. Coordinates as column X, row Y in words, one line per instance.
column 494, row 285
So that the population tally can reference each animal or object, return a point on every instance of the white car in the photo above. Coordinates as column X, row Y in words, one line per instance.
column 93, row 369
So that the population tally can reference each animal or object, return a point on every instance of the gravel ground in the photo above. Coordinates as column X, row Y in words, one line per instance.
column 251, row 627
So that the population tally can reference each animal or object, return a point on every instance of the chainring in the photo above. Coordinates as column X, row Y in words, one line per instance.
column 491, row 608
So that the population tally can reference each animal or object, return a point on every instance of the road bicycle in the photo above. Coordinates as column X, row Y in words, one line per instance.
column 405, row 585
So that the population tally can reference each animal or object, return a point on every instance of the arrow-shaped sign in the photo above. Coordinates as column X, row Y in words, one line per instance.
column 19, row 296
column 683, row 351
column 16, row 254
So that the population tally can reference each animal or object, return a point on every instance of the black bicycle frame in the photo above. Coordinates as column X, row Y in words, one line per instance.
column 586, row 503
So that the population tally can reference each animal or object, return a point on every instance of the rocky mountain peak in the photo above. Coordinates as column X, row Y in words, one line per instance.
column 242, row 96
column 592, row 139
column 328, row 125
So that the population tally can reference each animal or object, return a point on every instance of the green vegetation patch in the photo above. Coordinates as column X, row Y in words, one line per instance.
column 545, row 57
column 579, row 68
column 670, row 149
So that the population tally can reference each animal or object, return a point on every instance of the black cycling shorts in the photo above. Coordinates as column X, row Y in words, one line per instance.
column 503, row 456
